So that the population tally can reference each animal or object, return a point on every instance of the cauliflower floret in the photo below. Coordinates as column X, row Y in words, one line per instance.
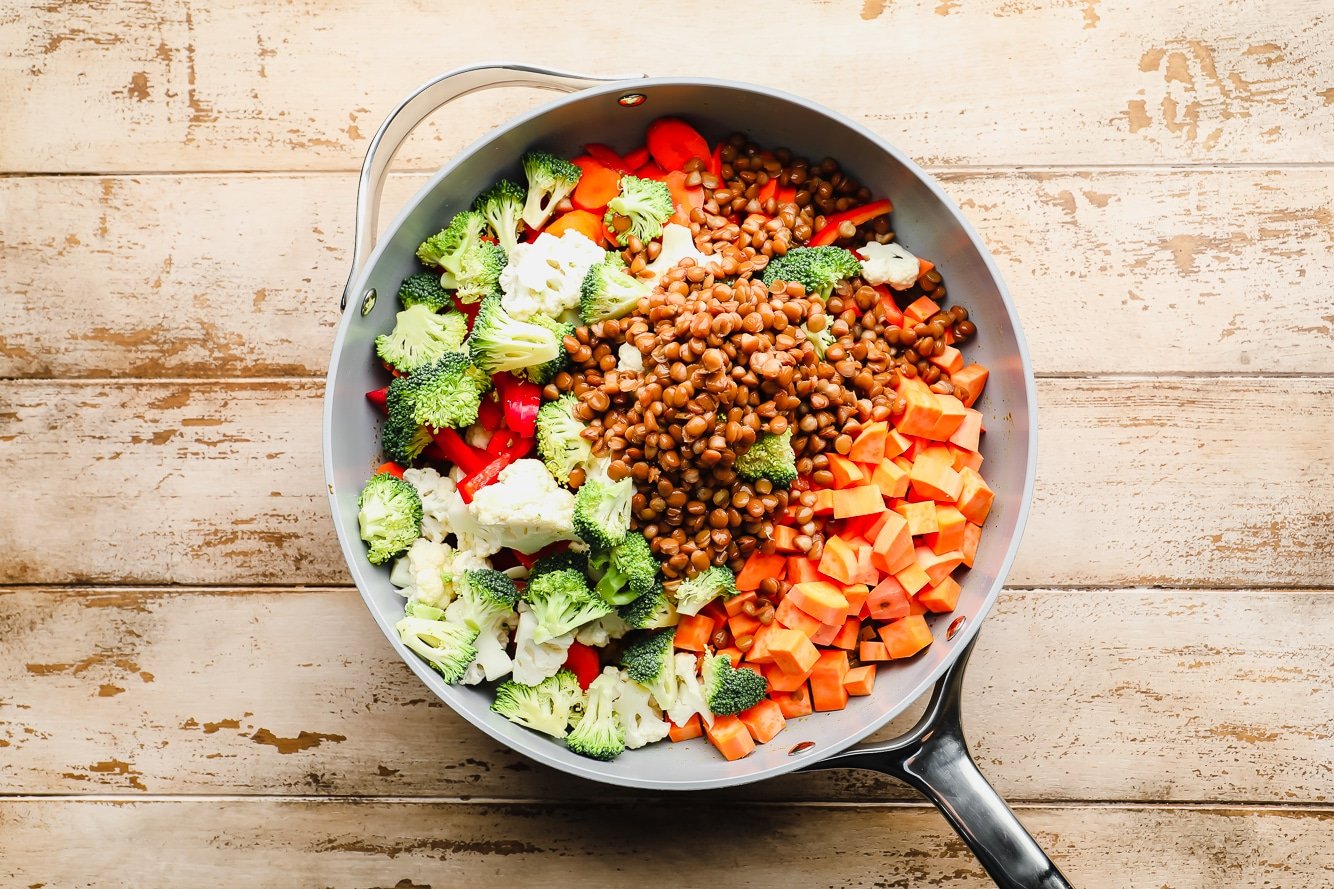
column 599, row 632
column 640, row 720
column 493, row 660
column 433, row 489
column 888, row 264
column 445, row 513
column 525, row 508
column 544, row 277
column 424, row 572
column 478, row 435
column 628, row 357
column 689, row 692
column 533, row 662
column 677, row 244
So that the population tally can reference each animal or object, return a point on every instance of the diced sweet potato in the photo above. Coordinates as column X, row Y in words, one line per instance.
column 921, row 517
column 860, row 680
column 906, row 637
column 975, row 496
column 820, row 599
column 941, row 598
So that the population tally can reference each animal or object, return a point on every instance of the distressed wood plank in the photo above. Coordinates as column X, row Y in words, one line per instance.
column 1128, row 695
column 273, row 843
column 251, row 85
column 212, row 482
column 1185, row 271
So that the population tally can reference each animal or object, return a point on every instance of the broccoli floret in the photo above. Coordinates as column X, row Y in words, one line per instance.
column 545, row 707
column 646, row 202
column 420, row 336
column 599, row 734
column 550, row 180
column 649, row 612
column 561, row 601
column 484, row 602
column 500, row 341
column 502, row 207
column 447, row 647
column 730, row 689
column 488, row 592
column 770, row 457
column 559, row 562
column 401, row 437
column 541, row 374
column 468, row 264
column 629, row 570
column 649, row 661
column 821, row 341
column 608, row 291
column 560, row 440
column 449, row 392
column 389, row 513
column 602, row 510
column 817, row 269
column 423, row 289
column 693, row 593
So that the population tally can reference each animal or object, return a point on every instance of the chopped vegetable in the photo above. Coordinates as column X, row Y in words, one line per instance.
column 389, row 514
column 501, row 206
column 420, row 336
column 546, row 707
column 608, row 291
column 770, row 457
column 550, row 179
column 599, row 734
column 693, row 593
column 447, row 647
column 561, row 601
column 423, row 289
column 640, row 209
column 728, row 690
column 818, row 269
column 501, row 342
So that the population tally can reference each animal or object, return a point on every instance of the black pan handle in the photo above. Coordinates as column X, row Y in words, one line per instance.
column 933, row 757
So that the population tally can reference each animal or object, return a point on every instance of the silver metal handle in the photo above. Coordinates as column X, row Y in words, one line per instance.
column 417, row 107
column 933, row 757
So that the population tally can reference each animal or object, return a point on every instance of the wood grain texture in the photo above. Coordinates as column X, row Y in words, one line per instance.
column 1221, row 271
column 247, row 85
column 418, row 845
column 213, row 482
column 1128, row 695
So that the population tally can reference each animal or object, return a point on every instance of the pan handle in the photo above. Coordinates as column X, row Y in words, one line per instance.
column 933, row 757
column 417, row 107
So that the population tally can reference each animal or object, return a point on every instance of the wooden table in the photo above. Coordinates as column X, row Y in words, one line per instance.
column 192, row 694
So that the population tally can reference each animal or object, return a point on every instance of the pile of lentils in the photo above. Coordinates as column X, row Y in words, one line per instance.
column 725, row 359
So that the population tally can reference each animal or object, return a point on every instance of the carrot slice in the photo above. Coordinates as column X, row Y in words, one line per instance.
column 636, row 158
column 826, row 635
column 972, row 379
column 742, row 625
column 759, row 649
column 975, row 496
column 913, row 578
column 847, row 636
column 856, row 594
column 860, row 500
column 827, row 691
column 794, row 704
column 972, row 536
column 763, row 721
column 801, row 569
column 608, row 157
column 785, row 539
column 731, row 737
column 933, row 479
column 685, row 198
column 860, row 680
column 672, row 142
column 733, row 654
column 937, row 566
column 888, row 601
column 792, row 651
column 781, row 680
column 921, row 309
column 692, row 729
column 597, row 186
column 582, row 221
column 693, row 632
column 950, row 536
column 735, row 605
column 846, row 473
column 758, row 567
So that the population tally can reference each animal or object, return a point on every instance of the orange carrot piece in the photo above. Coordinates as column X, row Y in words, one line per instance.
column 847, row 636
column 793, row 618
column 840, row 560
column 827, row 691
column 969, row 433
column 764, row 720
column 950, row 360
column 952, row 412
column 972, row 536
column 826, row 634
column 934, row 479
column 785, row 539
column 937, row 566
column 692, row 729
column 801, row 569
column 962, row 458
column 860, row 680
column 895, row 443
column 731, row 737
column 867, row 572
column 869, row 446
column 858, row 500
column 921, row 309
column 915, row 605
column 890, row 479
column 975, row 496
column 587, row 224
column 972, row 379
column 732, row 653
column 759, row 649
column 906, row 637
column 781, row 680
column 941, row 598
column 892, row 549
column 684, row 197
column 742, row 625
column 922, row 412
column 820, row 599
column 693, row 632
column 758, row 567
column 597, row 186
column 672, row 143
column 792, row 651
column 736, row 604
column 794, row 704
column 824, row 501
column 846, row 473
column 950, row 535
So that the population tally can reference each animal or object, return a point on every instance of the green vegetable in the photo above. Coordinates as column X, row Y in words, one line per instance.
column 448, row 393
column 817, row 269
column 502, row 207
column 486, row 595
column 401, row 437
column 542, row 373
column 389, row 513
column 468, row 264
column 599, row 734
column 559, row 562
column 561, row 601
column 693, row 593
column 770, row 457
column 648, row 612
column 420, row 336
column 560, row 440
column 447, row 647
column 609, row 291
column 550, row 180
column 629, row 570
column 499, row 341
column 650, row 661
column 647, row 203
column 821, row 341
column 602, row 510
column 423, row 289
column 729, row 690
column 545, row 707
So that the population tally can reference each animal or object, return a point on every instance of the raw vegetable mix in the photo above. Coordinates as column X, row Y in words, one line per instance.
column 681, row 442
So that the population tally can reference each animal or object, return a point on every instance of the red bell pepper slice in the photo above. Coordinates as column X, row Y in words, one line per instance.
column 637, row 158
column 857, row 216
column 459, row 452
column 891, row 308
column 767, row 191
column 491, row 415
column 685, row 198
column 651, row 170
column 379, row 398
column 469, row 310
column 390, row 468
column 482, row 477
column 673, row 143
column 604, row 155
column 520, row 400
column 582, row 661
column 786, row 194
column 716, row 162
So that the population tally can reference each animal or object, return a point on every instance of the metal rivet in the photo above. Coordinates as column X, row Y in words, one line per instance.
column 955, row 626
column 630, row 100
column 368, row 302
column 801, row 748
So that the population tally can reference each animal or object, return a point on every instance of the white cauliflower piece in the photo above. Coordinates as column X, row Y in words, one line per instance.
column 677, row 244
column 534, row 662
column 493, row 660
column 640, row 720
column 689, row 692
column 420, row 572
column 445, row 513
column 888, row 264
column 544, row 277
column 601, row 631
column 478, row 435
column 628, row 357
column 525, row 508
column 434, row 490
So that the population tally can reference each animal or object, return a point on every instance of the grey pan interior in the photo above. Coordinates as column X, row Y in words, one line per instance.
column 926, row 222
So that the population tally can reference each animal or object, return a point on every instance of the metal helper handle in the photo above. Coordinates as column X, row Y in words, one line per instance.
column 933, row 757
column 417, row 107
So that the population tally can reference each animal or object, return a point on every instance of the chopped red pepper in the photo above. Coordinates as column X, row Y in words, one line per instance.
column 468, row 309
column 390, row 468
column 674, row 143
column 786, row 194
column 379, row 397
column 716, row 163
column 604, row 155
column 767, row 191
column 520, row 400
column 857, row 216
column 459, row 452
column 514, row 448
column 491, row 415
column 637, row 158
column 651, row 170
column 891, row 307
column 583, row 662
